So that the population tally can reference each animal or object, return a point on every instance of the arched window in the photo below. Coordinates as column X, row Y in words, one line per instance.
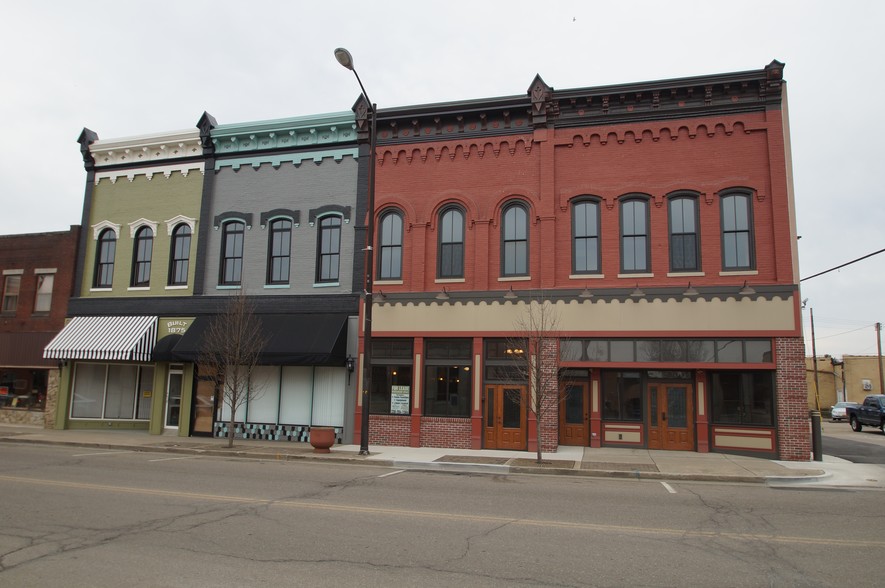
column 515, row 241
column 737, row 232
column 104, row 259
column 450, row 261
column 390, row 246
column 634, row 235
column 232, row 253
column 585, row 237
column 180, row 255
column 279, row 251
column 142, row 252
column 328, row 249
column 684, row 238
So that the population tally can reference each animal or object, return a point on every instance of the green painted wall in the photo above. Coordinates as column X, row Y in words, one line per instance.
column 158, row 199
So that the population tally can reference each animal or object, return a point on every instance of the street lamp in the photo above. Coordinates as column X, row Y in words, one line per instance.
column 344, row 58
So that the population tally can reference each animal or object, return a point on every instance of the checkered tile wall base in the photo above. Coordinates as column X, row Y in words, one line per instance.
column 297, row 433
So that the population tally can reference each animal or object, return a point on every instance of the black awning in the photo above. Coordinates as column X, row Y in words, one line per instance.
column 163, row 350
column 292, row 339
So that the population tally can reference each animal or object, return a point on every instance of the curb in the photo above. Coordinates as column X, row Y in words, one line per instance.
column 450, row 467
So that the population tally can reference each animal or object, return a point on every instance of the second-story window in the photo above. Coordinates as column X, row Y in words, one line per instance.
column 451, row 244
column 142, row 251
column 11, row 287
column 737, row 232
column 104, row 259
column 585, row 228
column 179, row 256
column 684, row 251
column 232, row 253
column 43, row 296
column 634, row 235
column 390, row 245
column 328, row 249
column 279, row 251
column 515, row 241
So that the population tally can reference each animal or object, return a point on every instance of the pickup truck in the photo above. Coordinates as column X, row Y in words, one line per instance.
column 871, row 413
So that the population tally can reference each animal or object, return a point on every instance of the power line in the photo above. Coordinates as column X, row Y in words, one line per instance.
column 843, row 265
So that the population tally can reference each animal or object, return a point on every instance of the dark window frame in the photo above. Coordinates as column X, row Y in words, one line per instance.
column 682, row 235
column 106, row 249
column 449, row 246
column 515, row 240
column 449, row 361
column 755, row 403
column 395, row 358
column 10, row 300
column 595, row 238
column 390, row 245
column 179, row 265
column 278, row 260
column 142, row 256
column 736, row 231
column 230, row 272
column 325, row 226
column 635, row 236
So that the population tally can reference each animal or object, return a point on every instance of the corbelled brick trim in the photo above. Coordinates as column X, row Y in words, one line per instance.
column 793, row 423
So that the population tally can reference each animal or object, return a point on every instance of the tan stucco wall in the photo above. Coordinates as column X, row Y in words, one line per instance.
column 668, row 316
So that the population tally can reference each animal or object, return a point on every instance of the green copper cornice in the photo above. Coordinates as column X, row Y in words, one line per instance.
column 284, row 133
column 295, row 158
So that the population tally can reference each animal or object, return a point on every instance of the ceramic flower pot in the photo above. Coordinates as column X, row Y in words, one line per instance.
column 322, row 439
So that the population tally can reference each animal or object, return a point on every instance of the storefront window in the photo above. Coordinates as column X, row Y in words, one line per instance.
column 112, row 391
column 621, row 396
column 743, row 398
column 448, row 373
column 391, row 377
column 22, row 389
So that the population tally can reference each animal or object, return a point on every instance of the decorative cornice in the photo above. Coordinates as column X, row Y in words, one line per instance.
column 142, row 222
column 147, row 148
column 456, row 150
column 87, row 137
column 149, row 172
column 98, row 227
column 288, row 133
column 177, row 220
column 295, row 158
column 542, row 106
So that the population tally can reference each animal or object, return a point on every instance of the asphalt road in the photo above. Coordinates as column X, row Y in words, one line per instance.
column 85, row 517
column 867, row 446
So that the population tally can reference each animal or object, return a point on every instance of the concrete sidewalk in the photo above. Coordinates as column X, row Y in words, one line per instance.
column 577, row 461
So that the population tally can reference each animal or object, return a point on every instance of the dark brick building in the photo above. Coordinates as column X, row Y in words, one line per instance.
column 37, row 281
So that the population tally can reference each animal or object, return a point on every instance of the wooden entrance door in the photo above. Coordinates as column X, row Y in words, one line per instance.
column 671, row 416
column 204, row 408
column 505, row 418
column 574, row 415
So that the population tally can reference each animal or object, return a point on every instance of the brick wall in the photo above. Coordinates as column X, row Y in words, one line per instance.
column 389, row 430
column 445, row 432
column 548, row 425
column 793, row 423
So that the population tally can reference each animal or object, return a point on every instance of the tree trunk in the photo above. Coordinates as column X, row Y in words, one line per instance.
column 230, row 427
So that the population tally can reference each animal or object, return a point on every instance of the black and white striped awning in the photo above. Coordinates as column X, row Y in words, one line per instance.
column 129, row 338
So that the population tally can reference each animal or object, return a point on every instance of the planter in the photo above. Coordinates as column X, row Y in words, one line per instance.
column 322, row 439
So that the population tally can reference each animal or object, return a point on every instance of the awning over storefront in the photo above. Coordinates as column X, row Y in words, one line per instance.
column 292, row 339
column 130, row 338
column 164, row 349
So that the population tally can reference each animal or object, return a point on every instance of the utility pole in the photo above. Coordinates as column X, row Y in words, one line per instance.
column 814, row 361
column 879, row 347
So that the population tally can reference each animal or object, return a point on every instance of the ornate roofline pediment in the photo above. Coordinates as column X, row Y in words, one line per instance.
column 146, row 148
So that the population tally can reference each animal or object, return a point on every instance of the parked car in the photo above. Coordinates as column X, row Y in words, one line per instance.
column 837, row 411
column 871, row 413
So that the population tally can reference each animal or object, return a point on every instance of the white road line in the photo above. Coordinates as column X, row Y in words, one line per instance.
column 668, row 487
column 102, row 453
column 172, row 458
column 391, row 473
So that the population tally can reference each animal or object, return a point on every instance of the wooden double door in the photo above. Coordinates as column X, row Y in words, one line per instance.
column 670, row 416
column 504, row 417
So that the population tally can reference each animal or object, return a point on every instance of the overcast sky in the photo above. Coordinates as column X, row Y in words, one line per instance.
column 125, row 68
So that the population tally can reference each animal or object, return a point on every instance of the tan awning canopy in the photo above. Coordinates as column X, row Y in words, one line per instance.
column 129, row 338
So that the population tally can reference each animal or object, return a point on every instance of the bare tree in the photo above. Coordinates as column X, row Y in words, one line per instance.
column 230, row 352
column 537, row 361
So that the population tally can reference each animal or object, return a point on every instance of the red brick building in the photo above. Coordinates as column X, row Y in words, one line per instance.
column 653, row 222
column 37, row 280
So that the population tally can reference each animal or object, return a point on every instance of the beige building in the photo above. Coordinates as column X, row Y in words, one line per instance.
column 850, row 379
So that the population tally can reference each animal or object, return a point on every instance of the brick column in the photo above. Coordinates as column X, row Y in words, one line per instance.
column 793, row 424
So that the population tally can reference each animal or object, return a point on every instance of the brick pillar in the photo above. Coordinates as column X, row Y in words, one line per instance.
column 51, row 399
column 793, row 424
column 548, row 426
